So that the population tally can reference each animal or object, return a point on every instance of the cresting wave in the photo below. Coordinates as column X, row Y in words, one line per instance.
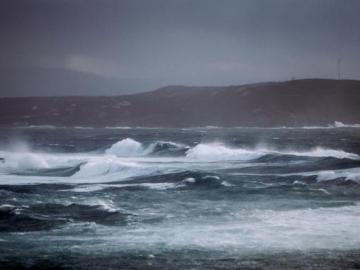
column 216, row 151
column 130, row 158
column 132, row 148
column 222, row 152
column 134, row 198
column 338, row 124
column 142, row 157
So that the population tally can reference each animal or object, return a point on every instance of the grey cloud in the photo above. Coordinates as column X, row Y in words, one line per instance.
column 150, row 44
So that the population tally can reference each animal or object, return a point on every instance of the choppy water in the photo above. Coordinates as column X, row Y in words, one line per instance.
column 205, row 198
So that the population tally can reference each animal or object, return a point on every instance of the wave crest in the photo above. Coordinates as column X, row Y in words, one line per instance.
column 103, row 167
column 217, row 152
column 130, row 147
column 126, row 147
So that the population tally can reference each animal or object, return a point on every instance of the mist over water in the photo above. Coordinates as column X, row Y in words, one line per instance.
column 180, row 198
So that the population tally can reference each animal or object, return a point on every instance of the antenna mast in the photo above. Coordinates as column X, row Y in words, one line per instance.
column 339, row 68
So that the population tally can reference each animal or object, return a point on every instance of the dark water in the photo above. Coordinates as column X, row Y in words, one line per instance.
column 205, row 198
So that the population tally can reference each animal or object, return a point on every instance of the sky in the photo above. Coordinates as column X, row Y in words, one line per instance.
column 102, row 47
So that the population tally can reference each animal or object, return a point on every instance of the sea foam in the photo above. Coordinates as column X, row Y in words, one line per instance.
column 126, row 147
column 217, row 151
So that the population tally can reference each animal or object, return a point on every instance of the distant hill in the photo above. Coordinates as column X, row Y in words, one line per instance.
column 309, row 102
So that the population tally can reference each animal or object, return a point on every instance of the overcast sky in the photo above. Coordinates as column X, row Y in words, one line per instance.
column 152, row 43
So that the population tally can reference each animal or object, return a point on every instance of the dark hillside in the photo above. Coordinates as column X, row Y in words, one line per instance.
column 292, row 103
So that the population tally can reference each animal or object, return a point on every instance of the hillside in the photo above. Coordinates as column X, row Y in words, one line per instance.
column 307, row 102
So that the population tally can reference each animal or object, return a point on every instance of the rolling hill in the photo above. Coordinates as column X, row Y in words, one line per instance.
column 309, row 102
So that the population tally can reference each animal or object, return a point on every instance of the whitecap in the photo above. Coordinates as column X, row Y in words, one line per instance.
column 127, row 147
column 338, row 124
column 218, row 151
column 97, row 187
column 105, row 166
column 347, row 174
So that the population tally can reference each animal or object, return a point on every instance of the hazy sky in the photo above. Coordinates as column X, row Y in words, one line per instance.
column 144, row 44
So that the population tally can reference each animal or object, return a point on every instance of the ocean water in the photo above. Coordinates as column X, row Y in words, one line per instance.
column 201, row 198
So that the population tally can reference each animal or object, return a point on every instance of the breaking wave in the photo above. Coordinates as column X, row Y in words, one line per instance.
column 127, row 147
column 98, row 167
column 352, row 174
column 217, row 152
column 130, row 147
column 137, row 195
column 338, row 124
column 130, row 158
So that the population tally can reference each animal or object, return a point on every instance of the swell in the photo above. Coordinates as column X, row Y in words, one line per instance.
column 60, row 172
column 50, row 215
column 129, row 147
column 216, row 151
column 129, row 158
column 165, row 181
column 284, row 164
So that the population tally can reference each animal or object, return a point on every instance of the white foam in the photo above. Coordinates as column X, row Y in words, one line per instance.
column 322, row 152
column 226, row 184
column 42, row 126
column 81, row 127
column 114, row 127
column 189, row 180
column 101, row 168
column 95, row 169
column 211, row 177
column 127, row 147
column 247, row 230
column 172, row 145
column 87, row 188
column 23, row 161
column 324, row 175
column 107, row 204
column 16, row 162
column 339, row 124
column 218, row 151
column 105, row 166
column 31, row 161
column 157, row 186
column 348, row 174
column 336, row 124
column 131, row 148
column 97, row 187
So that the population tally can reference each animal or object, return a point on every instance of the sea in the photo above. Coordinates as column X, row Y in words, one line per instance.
column 172, row 198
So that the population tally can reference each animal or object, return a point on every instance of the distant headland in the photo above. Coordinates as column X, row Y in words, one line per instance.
column 306, row 102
